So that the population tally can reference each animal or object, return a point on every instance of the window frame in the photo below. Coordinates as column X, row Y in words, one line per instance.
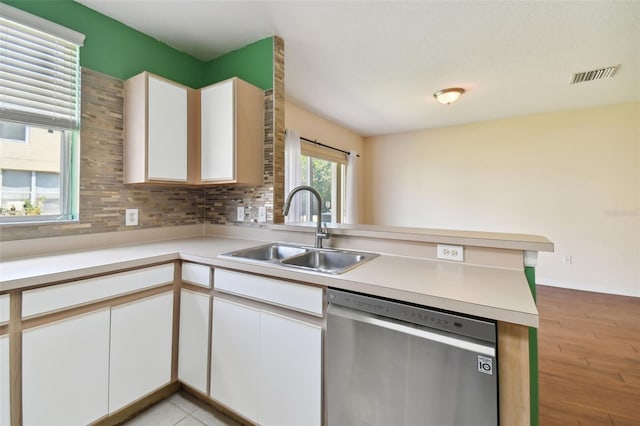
column 43, row 78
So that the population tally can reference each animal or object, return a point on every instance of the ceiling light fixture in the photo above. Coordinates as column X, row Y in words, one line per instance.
column 448, row 96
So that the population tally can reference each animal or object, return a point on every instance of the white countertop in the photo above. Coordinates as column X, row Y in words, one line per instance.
column 500, row 294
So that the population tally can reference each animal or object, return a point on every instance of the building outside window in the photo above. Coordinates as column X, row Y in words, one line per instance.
column 32, row 174
column 14, row 132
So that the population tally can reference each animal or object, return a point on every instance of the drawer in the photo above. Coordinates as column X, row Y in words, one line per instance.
column 194, row 273
column 4, row 308
column 48, row 299
column 298, row 297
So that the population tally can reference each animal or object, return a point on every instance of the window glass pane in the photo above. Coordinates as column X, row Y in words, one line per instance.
column 31, row 174
column 48, row 192
column 322, row 176
column 16, row 188
column 13, row 132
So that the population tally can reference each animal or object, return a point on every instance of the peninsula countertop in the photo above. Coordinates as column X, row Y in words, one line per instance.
column 501, row 294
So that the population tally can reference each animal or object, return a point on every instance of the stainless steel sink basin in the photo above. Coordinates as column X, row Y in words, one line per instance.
column 269, row 252
column 329, row 261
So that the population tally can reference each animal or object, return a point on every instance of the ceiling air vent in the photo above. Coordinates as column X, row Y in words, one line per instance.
column 598, row 74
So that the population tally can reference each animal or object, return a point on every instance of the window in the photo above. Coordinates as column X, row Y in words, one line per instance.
column 325, row 171
column 14, row 132
column 39, row 109
column 33, row 177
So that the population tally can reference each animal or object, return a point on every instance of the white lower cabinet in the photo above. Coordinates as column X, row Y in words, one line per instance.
column 234, row 357
column 141, row 340
column 65, row 371
column 290, row 380
column 5, row 419
column 193, row 351
column 266, row 367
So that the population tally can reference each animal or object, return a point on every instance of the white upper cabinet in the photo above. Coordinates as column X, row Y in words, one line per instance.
column 156, row 130
column 231, row 133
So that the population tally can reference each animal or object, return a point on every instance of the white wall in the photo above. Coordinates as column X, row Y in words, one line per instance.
column 572, row 176
column 312, row 126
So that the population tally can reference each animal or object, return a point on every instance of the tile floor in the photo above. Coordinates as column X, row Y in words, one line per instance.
column 181, row 409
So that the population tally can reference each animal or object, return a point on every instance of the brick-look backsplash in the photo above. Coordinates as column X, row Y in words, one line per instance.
column 104, row 197
column 222, row 201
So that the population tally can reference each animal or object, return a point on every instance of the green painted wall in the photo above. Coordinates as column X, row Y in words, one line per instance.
column 115, row 49
column 530, row 273
column 252, row 63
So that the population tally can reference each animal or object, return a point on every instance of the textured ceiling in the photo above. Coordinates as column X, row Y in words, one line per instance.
column 373, row 66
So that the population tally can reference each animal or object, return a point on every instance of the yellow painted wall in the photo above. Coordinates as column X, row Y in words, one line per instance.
column 572, row 176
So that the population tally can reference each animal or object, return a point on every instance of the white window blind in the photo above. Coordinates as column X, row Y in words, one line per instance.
column 39, row 71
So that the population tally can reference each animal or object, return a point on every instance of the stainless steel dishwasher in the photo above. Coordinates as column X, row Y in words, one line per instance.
column 395, row 364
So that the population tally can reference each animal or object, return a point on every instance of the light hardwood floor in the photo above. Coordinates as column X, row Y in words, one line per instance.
column 589, row 358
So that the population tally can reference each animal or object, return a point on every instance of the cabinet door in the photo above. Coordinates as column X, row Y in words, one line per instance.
column 5, row 418
column 234, row 357
column 217, row 136
column 167, row 131
column 193, row 352
column 141, row 339
column 65, row 371
column 290, row 380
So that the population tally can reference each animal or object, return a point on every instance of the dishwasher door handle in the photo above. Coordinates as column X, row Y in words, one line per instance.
column 418, row 331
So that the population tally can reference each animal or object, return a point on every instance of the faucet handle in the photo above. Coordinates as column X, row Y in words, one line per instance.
column 324, row 232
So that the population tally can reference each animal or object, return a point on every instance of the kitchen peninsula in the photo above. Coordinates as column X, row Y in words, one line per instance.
column 93, row 276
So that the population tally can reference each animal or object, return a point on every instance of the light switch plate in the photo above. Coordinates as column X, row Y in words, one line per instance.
column 240, row 214
column 131, row 217
column 447, row 252
column 262, row 214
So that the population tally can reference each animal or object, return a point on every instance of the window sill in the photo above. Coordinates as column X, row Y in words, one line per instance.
column 19, row 221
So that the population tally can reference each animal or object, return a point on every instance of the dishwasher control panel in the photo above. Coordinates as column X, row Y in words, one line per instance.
column 415, row 314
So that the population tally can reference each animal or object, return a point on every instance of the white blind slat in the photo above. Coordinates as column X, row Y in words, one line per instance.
column 11, row 67
column 39, row 72
column 28, row 54
column 21, row 37
column 37, row 84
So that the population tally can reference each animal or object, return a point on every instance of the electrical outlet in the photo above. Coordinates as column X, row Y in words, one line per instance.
column 240, row 214
column 131, row 217
column 447, row 252
column 262, row 214
column 567, row 260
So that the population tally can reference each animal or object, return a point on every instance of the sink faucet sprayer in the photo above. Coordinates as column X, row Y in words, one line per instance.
column 321, row 232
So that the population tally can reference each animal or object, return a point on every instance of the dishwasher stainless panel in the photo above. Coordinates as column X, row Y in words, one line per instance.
column 390, row 369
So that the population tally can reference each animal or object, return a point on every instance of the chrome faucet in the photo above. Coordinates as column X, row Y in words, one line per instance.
column 321, row 232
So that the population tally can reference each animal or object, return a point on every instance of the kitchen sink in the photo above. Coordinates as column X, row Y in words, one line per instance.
column 269, row 252
column 329, row 261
